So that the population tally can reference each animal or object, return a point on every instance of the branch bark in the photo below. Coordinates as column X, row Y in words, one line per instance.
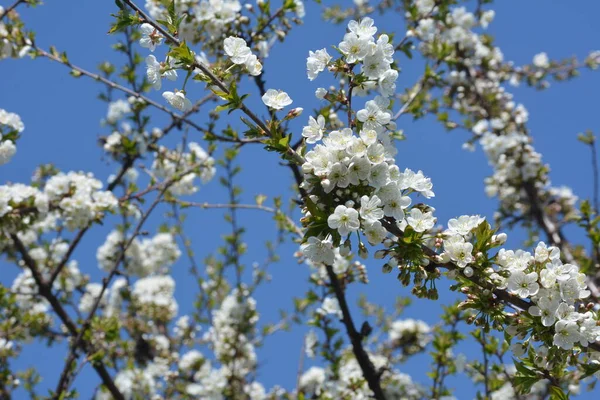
column 371, row 375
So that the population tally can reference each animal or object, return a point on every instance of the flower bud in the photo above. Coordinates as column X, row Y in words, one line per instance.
column 499, row 239
column 293, row 113
column 362, row 251
column 380, row 254
column 345, row 248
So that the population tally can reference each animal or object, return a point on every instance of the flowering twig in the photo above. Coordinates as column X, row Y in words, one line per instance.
column 216, row 81
column 11, row 7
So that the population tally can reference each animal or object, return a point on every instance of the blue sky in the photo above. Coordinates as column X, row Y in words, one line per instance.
column 61, row 116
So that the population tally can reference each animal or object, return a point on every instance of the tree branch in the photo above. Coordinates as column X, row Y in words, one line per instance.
column 366, row 365
column 46, row 292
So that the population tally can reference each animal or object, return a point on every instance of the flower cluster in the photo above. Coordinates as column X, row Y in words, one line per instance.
column 142, row 258
column 349, row 382
column 77, row 197
column 556, row 289
column 10, row 126
column 13, row 41
column 359, row 174
column 240, row 54
column 211, row 16
column 170, row 164
column 352, row 179
column 498, row 124
column 231, row 333
column 410, row 335
column 117, row 110
column 154, row 297
column 457, row 247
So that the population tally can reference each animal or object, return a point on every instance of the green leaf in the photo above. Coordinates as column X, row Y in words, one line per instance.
column 556, row 393
column 124, row 19
column 182, row 54
column 523, row 370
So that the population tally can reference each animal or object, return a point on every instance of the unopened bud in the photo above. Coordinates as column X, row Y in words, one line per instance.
column 294, row 113
column 362, row 251
column 380, row 254
column 499, row 239
column 345, row 248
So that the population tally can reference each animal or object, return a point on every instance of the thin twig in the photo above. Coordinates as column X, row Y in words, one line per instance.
column 11, row 7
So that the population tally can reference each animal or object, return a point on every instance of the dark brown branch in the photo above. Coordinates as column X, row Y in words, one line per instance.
column 46, row 292
column 371, row 375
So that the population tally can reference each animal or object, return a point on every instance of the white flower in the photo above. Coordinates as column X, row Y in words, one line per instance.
column 310, row 343
column 420, row 221
column 344, row 219
column 316, row 62
column 522, row 284
column 11, row 120
column 370, row 208
column 354, row 48
column 373, row 117
column 7, row 151
column 375, row 232
column 312, row 380
column 543, row 252
column 338, row 176
column 518, row 349
column 276, row 99
column 150, row 37
column 394, row 207
column 459, row 250
column 416, row 181
column 253, row 66
column 567, row 334
column 330, row 306
column 318, row 250
column 358, row 169
column 486, row 18
column 387, row 82
column 117, row 110
column 89, row 298
column 178, row 101
column 153, row 72
column 320, row 93
column 514, row 260
column 541, row 60
column 365, row 29
column 464, row 224
column 237, row 49
column 315, row 129
column 375, row 65
column 546, row 309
